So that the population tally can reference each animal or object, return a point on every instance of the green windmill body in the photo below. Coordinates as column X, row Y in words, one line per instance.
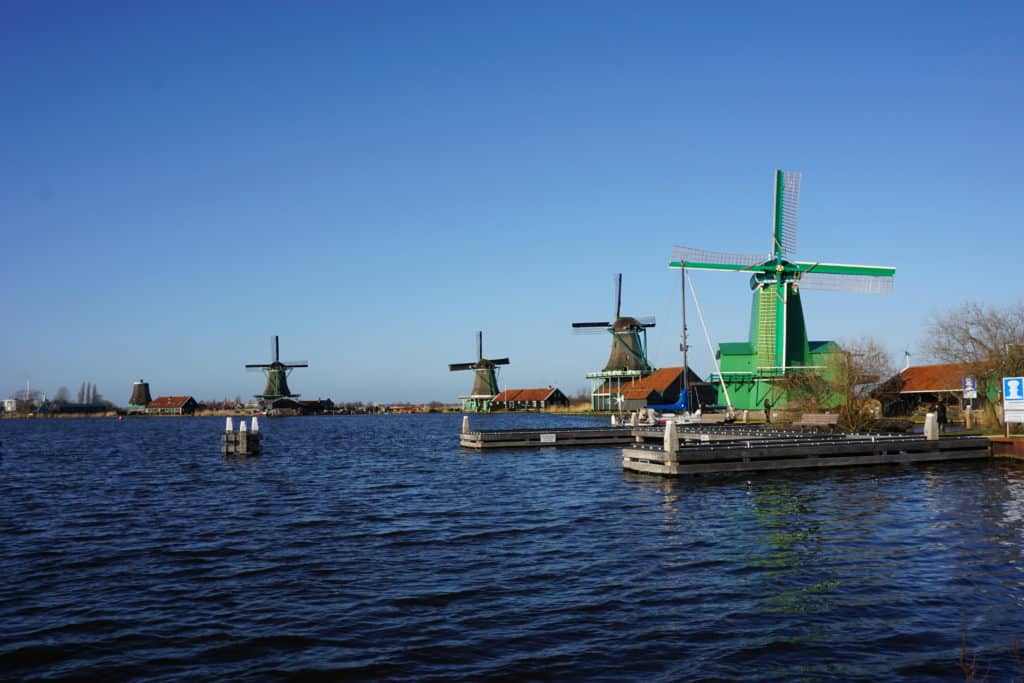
column 777, row 344
column 485, row 378
column 628, row 358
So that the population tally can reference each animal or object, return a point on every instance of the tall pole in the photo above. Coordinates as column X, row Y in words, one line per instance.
column 684, row 346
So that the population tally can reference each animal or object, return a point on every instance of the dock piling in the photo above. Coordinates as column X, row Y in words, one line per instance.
column 931, row 426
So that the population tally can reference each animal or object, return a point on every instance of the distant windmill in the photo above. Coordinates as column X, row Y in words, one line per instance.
column 629, row 336
column 485, row 381
column 778, row 343
column 628, row 358
column 277, row 373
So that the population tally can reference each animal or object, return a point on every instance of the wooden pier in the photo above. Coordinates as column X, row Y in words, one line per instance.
column 541, row 438
column 805, row 451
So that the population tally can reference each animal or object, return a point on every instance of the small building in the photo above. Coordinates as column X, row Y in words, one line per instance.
column 10, row 405
column 919, row 385
column 664, row 387
column 321, row 406
column 527, row 399
column 172, row 405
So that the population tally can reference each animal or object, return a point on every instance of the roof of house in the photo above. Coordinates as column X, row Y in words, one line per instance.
column 510, row 395
column 659, row 381
column 931, row 378
column 166, row 402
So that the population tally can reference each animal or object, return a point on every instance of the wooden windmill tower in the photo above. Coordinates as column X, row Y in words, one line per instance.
column 778, row 343
column 485, row 380
column 628, row 358
column 277, row 374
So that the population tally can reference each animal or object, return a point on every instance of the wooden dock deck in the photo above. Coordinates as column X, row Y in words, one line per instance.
column 541, row 438
column 806, row 451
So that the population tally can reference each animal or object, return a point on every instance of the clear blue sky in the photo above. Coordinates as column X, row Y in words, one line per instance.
column 376, row 181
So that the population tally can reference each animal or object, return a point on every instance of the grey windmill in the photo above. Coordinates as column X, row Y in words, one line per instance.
column 629, row 337
column 485, row 380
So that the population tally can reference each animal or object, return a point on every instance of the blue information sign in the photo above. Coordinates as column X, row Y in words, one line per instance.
column 1013, row 400
column 1013, row 389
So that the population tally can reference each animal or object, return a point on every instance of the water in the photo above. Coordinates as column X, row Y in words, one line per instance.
column 373, row 548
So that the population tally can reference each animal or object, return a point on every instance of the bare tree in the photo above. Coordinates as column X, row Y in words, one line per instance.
column 851, row 373
column 989, row 341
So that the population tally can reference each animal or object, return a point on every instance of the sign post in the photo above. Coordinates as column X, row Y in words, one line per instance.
column 970, row 387
column 1013, row 401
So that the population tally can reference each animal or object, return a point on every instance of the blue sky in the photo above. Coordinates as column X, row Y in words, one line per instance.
column 377, row 181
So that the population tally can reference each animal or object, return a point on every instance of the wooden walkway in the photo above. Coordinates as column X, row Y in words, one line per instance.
column 540, row 438
column 806, row 451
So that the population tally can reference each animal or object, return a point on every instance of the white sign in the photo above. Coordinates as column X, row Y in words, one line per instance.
column 1013, row 399
column 548, row 438
column 970, row 387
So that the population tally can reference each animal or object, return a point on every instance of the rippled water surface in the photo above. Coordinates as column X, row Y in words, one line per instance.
column 373, row 548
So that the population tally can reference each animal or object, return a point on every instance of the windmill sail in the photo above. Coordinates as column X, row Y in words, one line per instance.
column 788, row 198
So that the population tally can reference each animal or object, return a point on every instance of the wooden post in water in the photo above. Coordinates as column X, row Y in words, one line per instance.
column 671, row 442
column 465, row 424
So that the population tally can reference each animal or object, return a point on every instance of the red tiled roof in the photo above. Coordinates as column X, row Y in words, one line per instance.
column 657, row 382
column 524, row 395
column 930, row 378
column 165, row 402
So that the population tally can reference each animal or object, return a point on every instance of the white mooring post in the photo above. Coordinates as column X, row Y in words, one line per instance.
column 255, row 425
column 931, row 426
column 465, row 424
column 634, row 418
column 229, row 427
column 746, row 416
column 241, row 427
column 671, row 443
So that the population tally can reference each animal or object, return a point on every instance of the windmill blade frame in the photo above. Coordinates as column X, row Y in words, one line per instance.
column 454, row 367
column 787, row 209
column 618, row 296
column 703, row 259
column 837, row 282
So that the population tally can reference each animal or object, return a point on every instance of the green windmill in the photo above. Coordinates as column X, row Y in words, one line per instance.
column 777, row 344
column 277, row 374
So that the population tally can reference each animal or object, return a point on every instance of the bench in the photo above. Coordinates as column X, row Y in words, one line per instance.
column 817, row 421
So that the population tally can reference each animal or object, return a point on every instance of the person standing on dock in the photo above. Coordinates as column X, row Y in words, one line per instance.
column 940, row 408
column 767, row 412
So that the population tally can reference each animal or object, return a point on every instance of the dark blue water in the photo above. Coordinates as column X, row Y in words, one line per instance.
column 373, row 548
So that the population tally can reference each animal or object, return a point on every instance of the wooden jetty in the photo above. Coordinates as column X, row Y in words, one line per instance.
column 540, row 438
column 788, row 451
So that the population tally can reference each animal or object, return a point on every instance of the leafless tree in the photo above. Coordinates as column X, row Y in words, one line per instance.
column 851, row 373
column 988, row 340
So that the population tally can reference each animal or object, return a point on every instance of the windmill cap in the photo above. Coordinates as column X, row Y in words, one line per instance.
column 626, row 323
